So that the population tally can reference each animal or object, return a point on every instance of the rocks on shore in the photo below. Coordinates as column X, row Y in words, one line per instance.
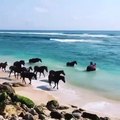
column 16, row 107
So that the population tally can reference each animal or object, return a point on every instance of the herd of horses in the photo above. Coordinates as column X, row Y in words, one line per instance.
column 19, row 70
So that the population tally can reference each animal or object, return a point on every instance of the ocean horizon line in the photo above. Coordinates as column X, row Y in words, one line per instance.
column 50, row 30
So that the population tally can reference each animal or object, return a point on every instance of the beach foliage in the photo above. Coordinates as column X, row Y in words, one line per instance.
column 24, row 100
column 3, row 96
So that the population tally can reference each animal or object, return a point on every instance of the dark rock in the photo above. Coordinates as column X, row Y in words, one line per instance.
column 76, row 111
column 52, row 105
column 90, row 116
column 81, row 109
column 32, row 111
column 41, row 117
column 6, row 88
column 18, row 85
column 63, row 113
column 39, row 109
column 22, row 114
column 74, row 106
column 63, row 107
column 28, row 116
column 7, row 83
column 14, row 117
column 104, row 118
column 25, row 107
column 76, row 115
column 68, row 116
column 55, row 114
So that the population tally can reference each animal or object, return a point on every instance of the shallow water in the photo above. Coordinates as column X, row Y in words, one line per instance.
column 55, row 48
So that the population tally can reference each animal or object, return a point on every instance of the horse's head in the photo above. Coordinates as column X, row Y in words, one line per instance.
column 46, row 69
column 6, row 63
column 62, row 72
column 30, row 68
column 75, row 62
column 62, row 78
column 22, row 62
column 40, row 60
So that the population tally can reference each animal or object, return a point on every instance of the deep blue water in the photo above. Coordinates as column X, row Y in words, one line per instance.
column 56, row 48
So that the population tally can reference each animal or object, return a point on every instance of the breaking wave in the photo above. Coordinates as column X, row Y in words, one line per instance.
column 60, row 34
column 76, row 40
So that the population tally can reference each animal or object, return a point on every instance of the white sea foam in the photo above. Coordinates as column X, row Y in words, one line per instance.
column 61, row 34
column 97, row 105
column 93, row 35
column 34, row 33
column 76, row 40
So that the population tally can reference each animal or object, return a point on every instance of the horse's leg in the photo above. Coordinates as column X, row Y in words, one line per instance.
column 40, row 75
column 17, row 75
column 4, row 69
column 55, row 85
column 50, row 82
column 10, row 73
column 30, row 80
column 43, row 74
column 24, row 80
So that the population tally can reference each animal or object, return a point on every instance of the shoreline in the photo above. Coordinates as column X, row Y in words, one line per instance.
column 40, row 92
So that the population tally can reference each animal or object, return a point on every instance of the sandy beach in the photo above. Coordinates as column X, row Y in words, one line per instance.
column 41, row 92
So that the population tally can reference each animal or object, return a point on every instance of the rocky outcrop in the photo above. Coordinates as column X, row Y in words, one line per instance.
column 52, row 105
column 6, row 88
column 90, row 116
column 16, row 107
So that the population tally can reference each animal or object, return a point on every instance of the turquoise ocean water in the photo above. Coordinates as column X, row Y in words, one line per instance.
column 55, row 48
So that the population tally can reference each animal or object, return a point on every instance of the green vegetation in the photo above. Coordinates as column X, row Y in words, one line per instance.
column 3, row 96
column 24, row 100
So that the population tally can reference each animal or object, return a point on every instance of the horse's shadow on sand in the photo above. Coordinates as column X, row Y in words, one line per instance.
column 46, row 88
column 6, row 78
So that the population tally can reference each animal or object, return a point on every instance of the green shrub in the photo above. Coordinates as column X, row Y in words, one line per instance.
column 24, row 100
column 3, row 96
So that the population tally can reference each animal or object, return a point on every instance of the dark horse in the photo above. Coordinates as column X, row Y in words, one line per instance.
column 19, row 63
column 55, row 79
column 34, row 60
column 40, row 69
column 71, row 64
column 18, row 70
column 91, row 67
column 59, row 72
column 28, row 75
column 27, row 69
column 3, row 66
